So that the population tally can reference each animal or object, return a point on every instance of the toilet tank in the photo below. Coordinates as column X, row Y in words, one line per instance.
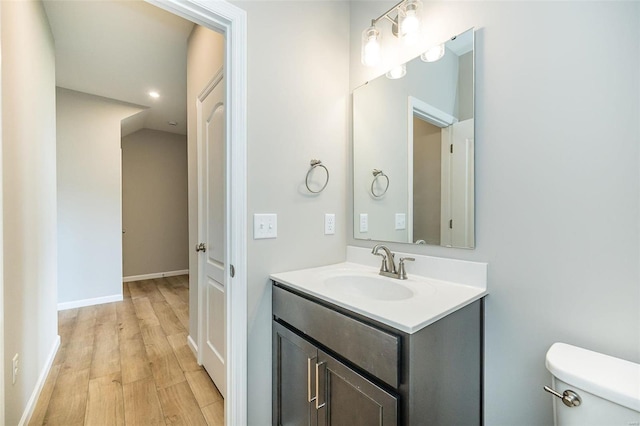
column 608, row 387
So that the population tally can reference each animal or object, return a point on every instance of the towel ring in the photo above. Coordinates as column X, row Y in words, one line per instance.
column 314, row 164
column 377, row 174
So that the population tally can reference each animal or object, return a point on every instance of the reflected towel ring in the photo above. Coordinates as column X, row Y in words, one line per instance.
column 314, row 164
column 377, row 174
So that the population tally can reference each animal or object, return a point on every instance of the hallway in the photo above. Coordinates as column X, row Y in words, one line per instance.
column 128, row 363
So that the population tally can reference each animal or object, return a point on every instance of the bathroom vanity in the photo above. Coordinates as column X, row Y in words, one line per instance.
column 353, row 348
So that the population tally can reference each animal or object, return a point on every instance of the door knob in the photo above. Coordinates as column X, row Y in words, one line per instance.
column 201, row 247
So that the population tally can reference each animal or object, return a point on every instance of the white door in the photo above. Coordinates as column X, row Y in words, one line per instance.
column 211, row 143
column 457, row 225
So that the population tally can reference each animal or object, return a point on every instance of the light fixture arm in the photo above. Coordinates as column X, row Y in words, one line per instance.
column 386, row 14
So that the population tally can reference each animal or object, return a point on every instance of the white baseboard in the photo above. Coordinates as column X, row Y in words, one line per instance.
column 155, row 275
column 89, row 302
column 192, row 346
column 33, row 400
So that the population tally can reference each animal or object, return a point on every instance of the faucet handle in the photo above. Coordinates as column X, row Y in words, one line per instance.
column 383, row 266
column 402, row 273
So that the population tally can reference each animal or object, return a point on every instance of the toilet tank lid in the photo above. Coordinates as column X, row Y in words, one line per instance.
column 607, row 377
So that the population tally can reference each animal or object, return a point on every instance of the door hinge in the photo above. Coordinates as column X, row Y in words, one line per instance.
column 450, row 223
column 451, row 148
column 232, row 271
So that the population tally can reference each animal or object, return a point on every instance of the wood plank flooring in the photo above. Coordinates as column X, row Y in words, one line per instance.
column 128, row 363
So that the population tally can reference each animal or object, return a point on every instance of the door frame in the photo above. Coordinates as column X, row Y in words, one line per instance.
column 225, row 18
column 2, row 418
column 432, row 115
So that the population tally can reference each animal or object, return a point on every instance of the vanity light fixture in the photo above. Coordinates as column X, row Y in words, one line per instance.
column 397, row 72
column 371, row 46
column 405, row 25
column 433, row 54
column 409, row 21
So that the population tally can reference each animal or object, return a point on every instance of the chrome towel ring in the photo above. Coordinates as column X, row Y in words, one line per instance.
column 315, row 164
column 379, row 174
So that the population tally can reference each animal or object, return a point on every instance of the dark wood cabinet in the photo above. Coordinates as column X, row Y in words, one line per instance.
column 333, row 367
column 313, row 388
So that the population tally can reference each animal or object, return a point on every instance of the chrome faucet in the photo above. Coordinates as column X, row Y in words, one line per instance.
column 388, row 266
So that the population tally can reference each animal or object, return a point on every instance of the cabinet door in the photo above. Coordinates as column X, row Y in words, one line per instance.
column 348, row 399
column 294, row 361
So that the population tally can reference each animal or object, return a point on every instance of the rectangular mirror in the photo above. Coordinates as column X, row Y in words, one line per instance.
column 413, row 150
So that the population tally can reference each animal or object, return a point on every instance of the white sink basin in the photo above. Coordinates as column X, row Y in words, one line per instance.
column 407, row 305
column 376, row 288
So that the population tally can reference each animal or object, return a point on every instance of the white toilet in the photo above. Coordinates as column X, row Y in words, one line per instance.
column 608, row 388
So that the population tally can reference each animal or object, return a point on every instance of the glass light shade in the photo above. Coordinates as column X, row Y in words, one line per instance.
column 397, row 72
column 433, row 54
column 409, row 20
column 371, row 49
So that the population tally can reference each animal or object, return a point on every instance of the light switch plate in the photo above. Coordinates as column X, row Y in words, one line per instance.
column 265, row 226
column 401, row 221
column 364, row 222
column 329, row 224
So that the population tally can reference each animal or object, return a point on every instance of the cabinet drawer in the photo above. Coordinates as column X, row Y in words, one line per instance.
column 368, row 347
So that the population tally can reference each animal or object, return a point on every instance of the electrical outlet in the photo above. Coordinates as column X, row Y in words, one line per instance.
column 15, row 364
column 401, row 221
column 329, row 224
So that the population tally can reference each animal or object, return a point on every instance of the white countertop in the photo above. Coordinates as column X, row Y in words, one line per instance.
column 432, row 298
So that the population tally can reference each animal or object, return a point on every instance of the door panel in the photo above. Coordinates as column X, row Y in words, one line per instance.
column 215, row 308
column 462, row 207
column 457, row 185
column 211, row 140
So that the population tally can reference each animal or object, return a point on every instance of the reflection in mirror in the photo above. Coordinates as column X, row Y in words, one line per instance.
column 419, row 130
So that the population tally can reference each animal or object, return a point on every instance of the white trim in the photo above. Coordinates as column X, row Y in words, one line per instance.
column 33, row 400
column 430, row 113
column 2, row 417
column 410, row 172
column 131, row 278
column 89, row 302
column 232, row 22
column 193, row 346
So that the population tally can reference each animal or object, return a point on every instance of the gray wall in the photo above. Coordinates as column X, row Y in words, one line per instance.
column 28, row 199
column 298, row 99
column 154, row 203
column 557, row 183
column 464, row 100
column 89, row 195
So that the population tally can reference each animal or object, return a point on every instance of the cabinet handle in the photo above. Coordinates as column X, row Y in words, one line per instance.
column 318, row 406
column 309, row 399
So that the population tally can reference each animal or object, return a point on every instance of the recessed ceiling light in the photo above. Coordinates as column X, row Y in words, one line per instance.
column 154, row 94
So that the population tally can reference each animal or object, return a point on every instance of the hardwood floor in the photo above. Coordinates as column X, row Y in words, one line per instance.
column 128, row 363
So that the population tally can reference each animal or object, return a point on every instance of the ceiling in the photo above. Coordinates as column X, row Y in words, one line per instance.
column 123, row 50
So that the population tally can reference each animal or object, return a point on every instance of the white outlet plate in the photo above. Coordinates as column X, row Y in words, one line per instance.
column 364, row 222
column 329, row 224
column 401, row 221
column 265, row 226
